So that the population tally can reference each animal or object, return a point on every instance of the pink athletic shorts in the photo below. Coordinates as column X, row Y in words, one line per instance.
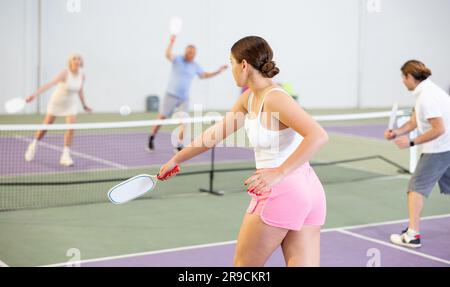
column 297, row 200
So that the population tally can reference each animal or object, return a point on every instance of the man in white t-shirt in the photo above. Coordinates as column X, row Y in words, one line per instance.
column 431, row 117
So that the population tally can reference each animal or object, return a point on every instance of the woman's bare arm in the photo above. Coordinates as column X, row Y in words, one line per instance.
column 60, row 78
column 234, row 120
column 292, row 115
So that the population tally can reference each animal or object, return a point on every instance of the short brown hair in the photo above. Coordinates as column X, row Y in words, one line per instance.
column 417, row 69
column 257, row 52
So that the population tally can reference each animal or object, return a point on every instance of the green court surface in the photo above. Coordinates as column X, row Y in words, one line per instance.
column 43, row 236
column 177, row 214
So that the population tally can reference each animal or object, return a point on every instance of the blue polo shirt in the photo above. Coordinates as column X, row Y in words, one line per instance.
column 181, row 77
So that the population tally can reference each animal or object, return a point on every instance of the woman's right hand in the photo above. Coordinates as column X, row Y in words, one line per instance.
column 168, row 170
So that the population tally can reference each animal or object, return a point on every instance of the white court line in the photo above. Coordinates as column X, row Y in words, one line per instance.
column 384, row 223
column 344, row 228
column 3, row 264
column 383, row 178
column 404, row 249
column 148, row 253
column 78, row 154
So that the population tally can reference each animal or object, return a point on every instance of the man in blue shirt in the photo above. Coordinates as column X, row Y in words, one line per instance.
column 184, row 69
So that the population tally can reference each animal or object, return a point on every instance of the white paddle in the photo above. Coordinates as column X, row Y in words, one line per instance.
column 393, row 116
column 176, row 24
column 15, row 105
column 136, row 186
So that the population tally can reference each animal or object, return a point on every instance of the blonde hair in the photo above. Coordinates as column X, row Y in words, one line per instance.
column 71, row 57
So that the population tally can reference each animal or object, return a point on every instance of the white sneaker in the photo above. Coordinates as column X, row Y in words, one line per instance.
column 66, row 159
column 405, row 239
column 31, row 151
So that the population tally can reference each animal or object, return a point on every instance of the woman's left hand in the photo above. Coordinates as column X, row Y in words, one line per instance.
column 87, row 109
column 263, row 179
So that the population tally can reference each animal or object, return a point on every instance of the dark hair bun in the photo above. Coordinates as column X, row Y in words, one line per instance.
column 417, row 69
column 269, row 70
column 257, row 53
column 421, row 75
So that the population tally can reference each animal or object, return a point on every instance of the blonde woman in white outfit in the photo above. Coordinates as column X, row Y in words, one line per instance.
column 63, row 103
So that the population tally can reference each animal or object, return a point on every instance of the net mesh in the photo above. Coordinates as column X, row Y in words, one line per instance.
column 105, row 154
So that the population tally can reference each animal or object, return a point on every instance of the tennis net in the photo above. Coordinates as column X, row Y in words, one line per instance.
column 105, row 154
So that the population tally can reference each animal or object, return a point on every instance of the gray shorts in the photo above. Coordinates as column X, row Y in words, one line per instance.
column 171, row 103
column 432, row 168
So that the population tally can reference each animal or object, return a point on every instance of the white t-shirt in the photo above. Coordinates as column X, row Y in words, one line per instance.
column 432, row 102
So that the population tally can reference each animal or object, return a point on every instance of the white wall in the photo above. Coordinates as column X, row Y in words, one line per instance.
column 404, row 30
column 311, row 40
column 18, row 58
column 335, row 53
column 124, row 42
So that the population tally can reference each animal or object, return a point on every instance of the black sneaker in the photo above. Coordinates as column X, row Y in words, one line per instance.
column 151, row 145
column 404, row 239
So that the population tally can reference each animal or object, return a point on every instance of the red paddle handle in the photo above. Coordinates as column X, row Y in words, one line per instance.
column 173, row 171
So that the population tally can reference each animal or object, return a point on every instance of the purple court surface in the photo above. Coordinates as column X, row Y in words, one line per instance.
column 369, row 131
column 120, row 151
column 99, row 152
column 350, row 247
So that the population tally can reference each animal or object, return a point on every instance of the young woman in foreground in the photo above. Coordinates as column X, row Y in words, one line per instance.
column 288, row 203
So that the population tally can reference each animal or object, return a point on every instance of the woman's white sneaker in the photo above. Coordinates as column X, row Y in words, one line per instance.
column 66, row 159
column 31, row 151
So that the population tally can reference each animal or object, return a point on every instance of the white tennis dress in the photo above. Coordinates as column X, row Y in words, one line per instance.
column 64, row 100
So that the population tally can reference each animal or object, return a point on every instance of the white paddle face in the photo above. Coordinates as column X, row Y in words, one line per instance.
column 14, row 105
column 176, row 24
column 393, row 116
column 131, row 188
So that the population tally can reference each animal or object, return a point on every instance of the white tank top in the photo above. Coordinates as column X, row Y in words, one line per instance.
column 272, row 147
column 70, row 87
column 64, row 99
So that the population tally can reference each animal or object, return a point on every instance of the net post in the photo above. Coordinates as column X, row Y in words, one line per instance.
column 211, row 174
